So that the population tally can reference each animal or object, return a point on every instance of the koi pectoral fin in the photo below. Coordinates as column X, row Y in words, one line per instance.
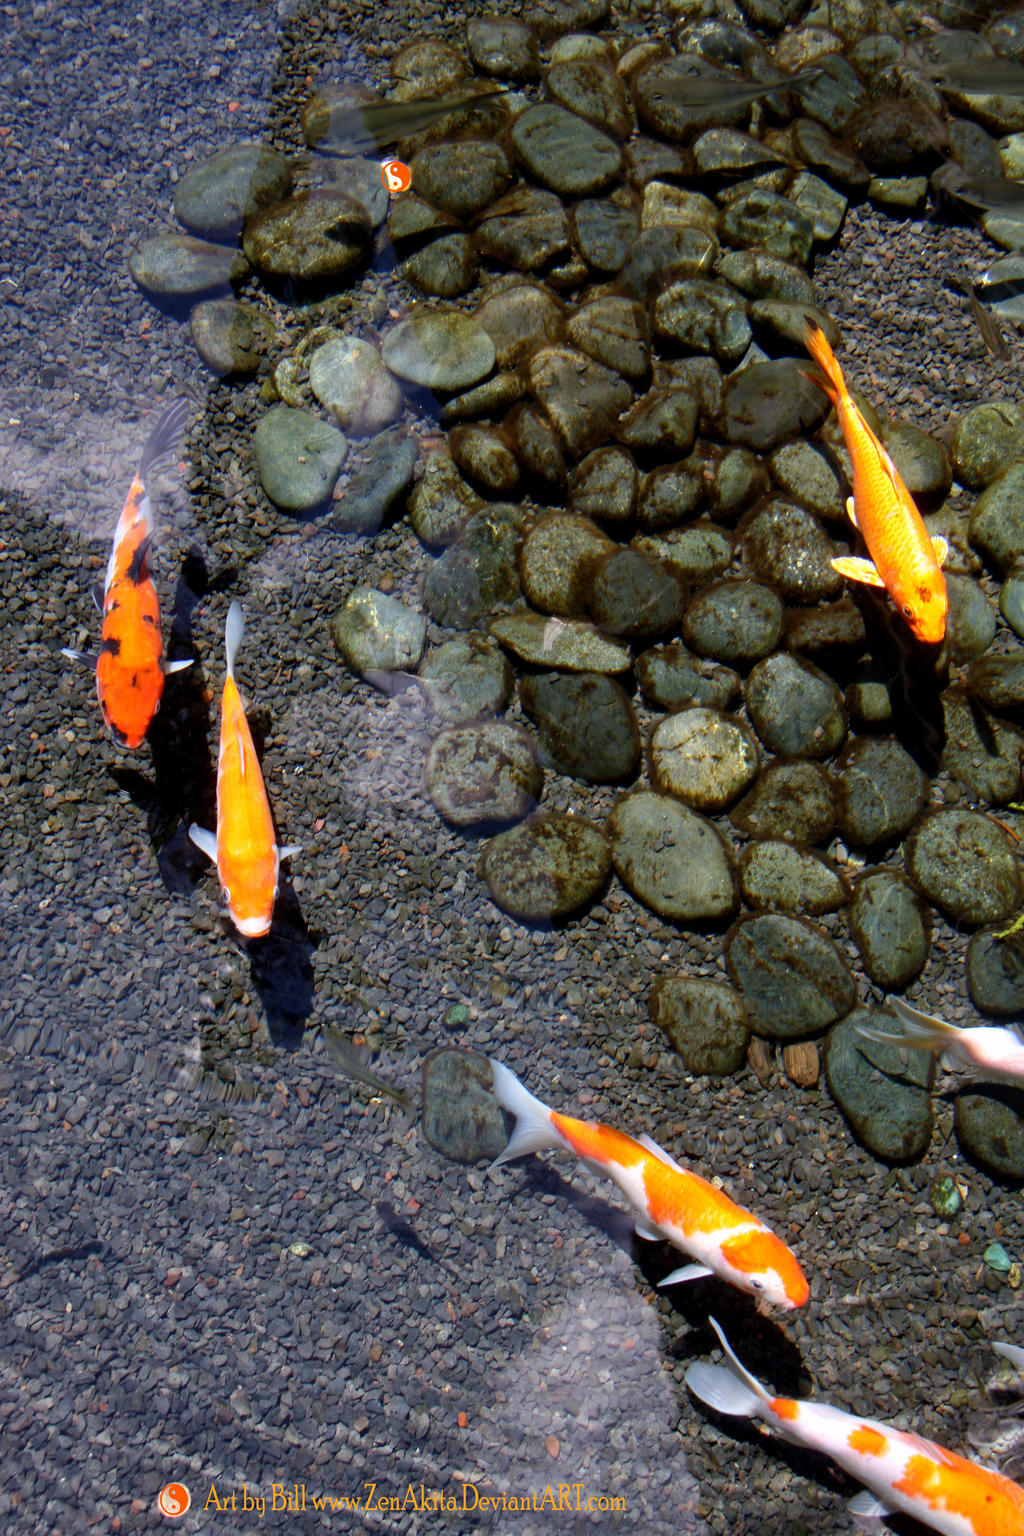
column 290, row 851
column 867, row 1506
column 687, row 1272
column 168, row 668
column 941, row 548
column 206, row 842
column 84, row 658
column 856, row 569
column 647, row 1230
column 851, row 511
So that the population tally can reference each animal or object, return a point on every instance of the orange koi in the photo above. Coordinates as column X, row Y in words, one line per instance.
column 901, row 1472
column 905, row 559
column 130, row 665
column 671, row 1203
column 245, row 847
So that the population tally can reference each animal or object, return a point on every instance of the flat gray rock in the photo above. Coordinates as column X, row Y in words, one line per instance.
column 298, row 456
column 215, row 197
column 886, row 1100
column 547, row 868
column 791, row 800
column 879, row 790
column 182, row 266
column 445, row 350
column 706, row 1022
column 795, row 709
column 375, row 632
column 891, row 928
column 703, row 758
column 776, row 876
column 968, row 865
column 567, row 644
column 461, row 1117
column 794, row 979
column 563, row 152
column 672, row 860
column 488, row 772
column 585, row 724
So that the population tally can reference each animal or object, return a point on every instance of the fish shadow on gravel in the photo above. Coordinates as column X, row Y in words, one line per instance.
column 609, row 1221
column 281, row 968
column 916, row 680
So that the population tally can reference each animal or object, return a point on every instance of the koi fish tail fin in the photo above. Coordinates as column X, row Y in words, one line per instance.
column 922, row 1031
column 165, row 438
column 816, row 342
column 234, row 629
column 1011, row 1352
column 534, row 1131
column 728, row 1388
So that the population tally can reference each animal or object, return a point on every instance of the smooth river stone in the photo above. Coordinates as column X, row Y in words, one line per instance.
column 546, row 868
column 734, row 621
column 706, row 1022
column 997, row 518
column 995, row 973
column 215, row 197
column 775, row 875
column 563, row 152
column 462, row 178
column 585, row 724
column 768, row 403
column 314, row 237
column 672, row 860
column 796, row 710
column 634, row 595
column 467, row 679
column 989, row 1124
column 582, row 399
column 461, row 1117
column 444, row 350
column 567, row 644
column 518, row 317
column 180, row 266
column 787, row 547
column 703, row 758
column 886, row 1099
column 375, row 631
column 968, row 865
column 556, row 559
column 793, row 978
column 231, row 337
column 347, row 376
column 880, row 791
column 891, row 928
column 670, row 677
column 982, row 752
column 483, row 773
column 298, row 456
column 791, row 800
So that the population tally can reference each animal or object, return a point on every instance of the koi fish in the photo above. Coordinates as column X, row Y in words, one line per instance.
column 130, row 665
column 987, row 1051
column 905, row 560
column 672, row 1203
column 245, row 847
column 900, row 1471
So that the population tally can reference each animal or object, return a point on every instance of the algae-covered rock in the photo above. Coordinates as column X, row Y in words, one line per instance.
column 706, row 1022
column 887, row 1101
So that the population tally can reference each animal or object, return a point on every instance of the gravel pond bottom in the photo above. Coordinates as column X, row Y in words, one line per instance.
column 222, row 1263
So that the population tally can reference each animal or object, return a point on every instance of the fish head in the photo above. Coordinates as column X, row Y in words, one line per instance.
column 763, row 1265
column 250, row 890
column 925, row 606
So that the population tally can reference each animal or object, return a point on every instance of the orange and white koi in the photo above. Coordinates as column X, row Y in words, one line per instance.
column 901, row 1472
column 671, row 1203
column 905, row 559
column 130, row 666
column 245, row 847
column 988, row 1050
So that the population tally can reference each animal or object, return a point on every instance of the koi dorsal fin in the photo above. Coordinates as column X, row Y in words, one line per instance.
column 651, row 1145
column 234, row 629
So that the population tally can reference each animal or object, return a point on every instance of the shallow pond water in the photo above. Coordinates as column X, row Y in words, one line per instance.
column 228, row 1261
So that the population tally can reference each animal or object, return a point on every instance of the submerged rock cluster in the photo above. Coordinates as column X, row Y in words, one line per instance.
column 638, row 495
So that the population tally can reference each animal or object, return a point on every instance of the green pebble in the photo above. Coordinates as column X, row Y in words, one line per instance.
column 997, row 1258
column 945, row 1197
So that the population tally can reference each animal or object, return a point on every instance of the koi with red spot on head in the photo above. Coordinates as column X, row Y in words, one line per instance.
column 905, row 559
column 900, row 1471
column 130, row 665
column 671, row 1203
column 245, row 847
